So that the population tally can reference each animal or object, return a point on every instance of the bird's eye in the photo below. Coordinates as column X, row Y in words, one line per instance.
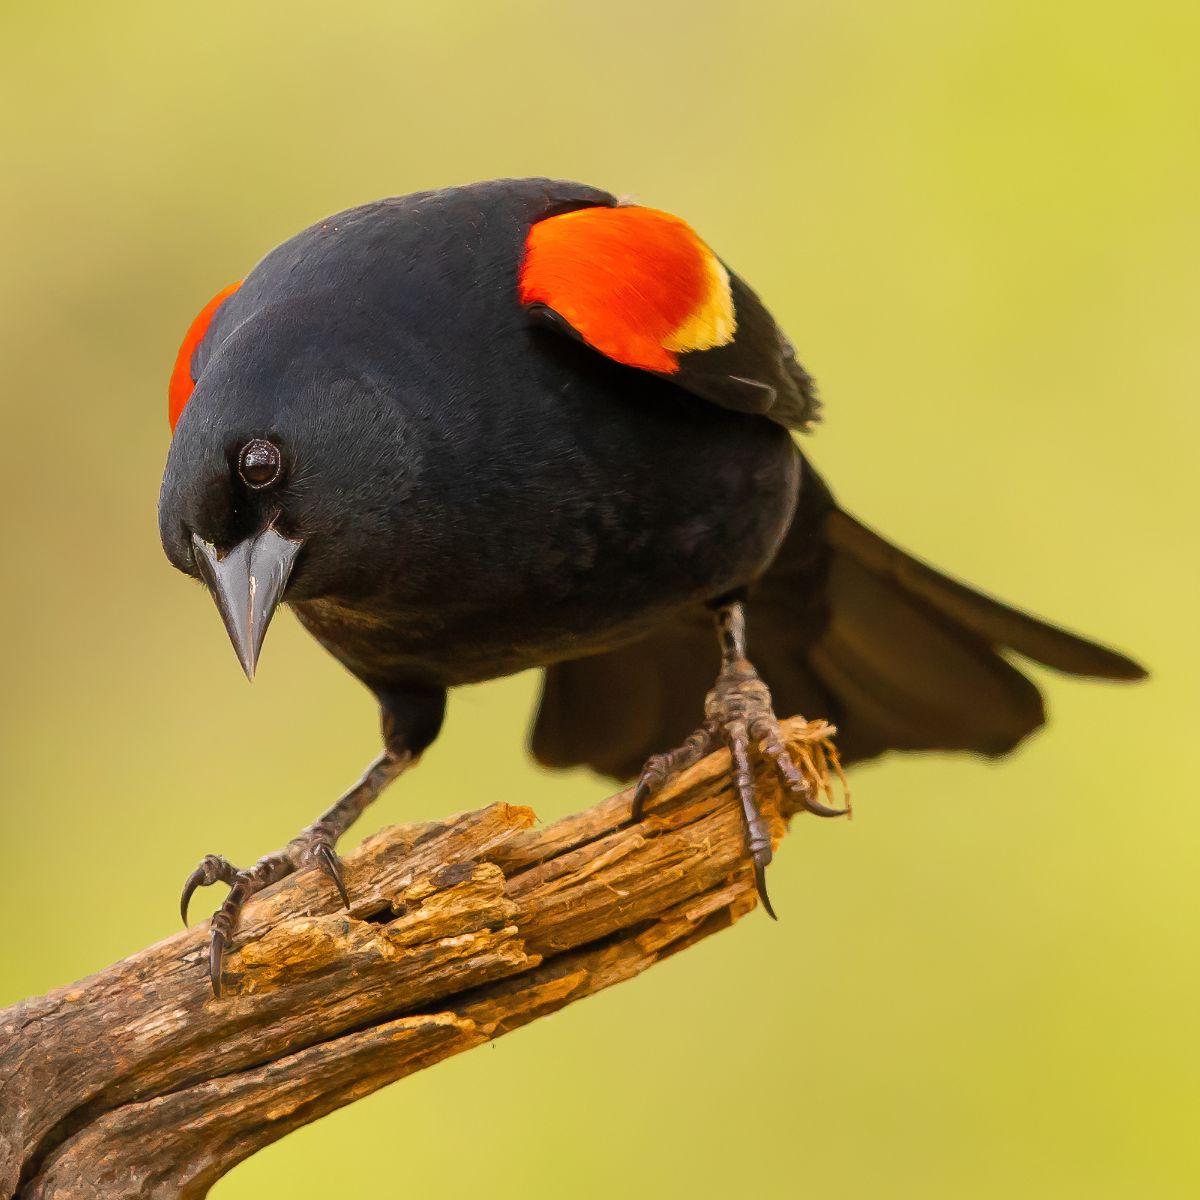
column 260, row 464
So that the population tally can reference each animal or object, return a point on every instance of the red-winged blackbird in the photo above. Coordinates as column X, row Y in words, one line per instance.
column 522, row 424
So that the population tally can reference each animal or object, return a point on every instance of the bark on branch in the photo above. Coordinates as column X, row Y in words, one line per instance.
column 137, row 1082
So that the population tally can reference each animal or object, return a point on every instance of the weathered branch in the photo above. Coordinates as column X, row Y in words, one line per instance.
column 137, row 1082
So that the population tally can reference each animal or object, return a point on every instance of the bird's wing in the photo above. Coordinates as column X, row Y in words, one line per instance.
column 640, row 287
column 183, row 381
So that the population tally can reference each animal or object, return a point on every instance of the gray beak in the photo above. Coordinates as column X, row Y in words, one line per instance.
column 247, row 584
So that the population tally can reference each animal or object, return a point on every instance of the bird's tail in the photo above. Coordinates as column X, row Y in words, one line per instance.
column 843, row 626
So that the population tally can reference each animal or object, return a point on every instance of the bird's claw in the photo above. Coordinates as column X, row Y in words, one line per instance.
column 637, row 807
column 192, row 882
column 760, row 886
column 212, row 868
column 822, row 810
column 661, row 767
column 739, row 716
column 314, row 845
column 242, row 885
column 328, row 861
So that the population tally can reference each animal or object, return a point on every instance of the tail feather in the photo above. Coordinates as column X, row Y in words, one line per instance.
column 906, row 672
column 996, row 622
column 843, row 626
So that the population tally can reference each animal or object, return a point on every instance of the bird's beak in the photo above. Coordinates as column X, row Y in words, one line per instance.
column 247, row 584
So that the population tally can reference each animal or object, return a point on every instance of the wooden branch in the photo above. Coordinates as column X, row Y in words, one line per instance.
column 138, row 1082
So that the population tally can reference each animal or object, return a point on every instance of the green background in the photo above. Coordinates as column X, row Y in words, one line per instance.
column 978, row 222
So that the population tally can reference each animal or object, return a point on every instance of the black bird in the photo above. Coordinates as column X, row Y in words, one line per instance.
column 524, row 424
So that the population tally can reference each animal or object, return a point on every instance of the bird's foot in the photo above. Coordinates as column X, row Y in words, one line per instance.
column 314, row 846
column 739, row 715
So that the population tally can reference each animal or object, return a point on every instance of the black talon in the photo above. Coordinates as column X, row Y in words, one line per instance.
column 330, row 865
column 216, row 954
column 760, row 885
column 821, row 810
column 194, row 880
column 640, row 796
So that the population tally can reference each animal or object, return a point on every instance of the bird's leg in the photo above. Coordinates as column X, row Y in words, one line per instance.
column 411, row 717
column 313, row 845
column 738, row 714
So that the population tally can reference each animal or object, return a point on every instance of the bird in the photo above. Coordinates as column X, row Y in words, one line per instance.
column 525, row 423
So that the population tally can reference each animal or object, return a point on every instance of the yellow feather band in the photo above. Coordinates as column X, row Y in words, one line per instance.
column 714, row 323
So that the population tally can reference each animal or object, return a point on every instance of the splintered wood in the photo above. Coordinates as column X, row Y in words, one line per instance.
column 138, row 1082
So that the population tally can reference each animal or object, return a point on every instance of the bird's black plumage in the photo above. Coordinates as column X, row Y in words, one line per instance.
column 472, row 493
column 493, row 496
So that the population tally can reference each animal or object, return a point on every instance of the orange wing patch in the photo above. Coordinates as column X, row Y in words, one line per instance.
column 634, row 283
column 179, row 391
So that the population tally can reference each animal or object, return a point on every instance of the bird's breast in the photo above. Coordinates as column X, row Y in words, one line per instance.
column 567, row 546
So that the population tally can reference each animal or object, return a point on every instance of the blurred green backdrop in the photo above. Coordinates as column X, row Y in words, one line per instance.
column 979, row 224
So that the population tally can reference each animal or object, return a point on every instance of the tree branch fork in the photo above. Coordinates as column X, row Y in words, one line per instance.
column 137, row 1081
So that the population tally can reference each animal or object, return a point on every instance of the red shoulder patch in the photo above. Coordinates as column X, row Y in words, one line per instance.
column 179, row 392
column 634, row 283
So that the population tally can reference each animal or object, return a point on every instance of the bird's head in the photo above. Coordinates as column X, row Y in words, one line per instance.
column 284, row 476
